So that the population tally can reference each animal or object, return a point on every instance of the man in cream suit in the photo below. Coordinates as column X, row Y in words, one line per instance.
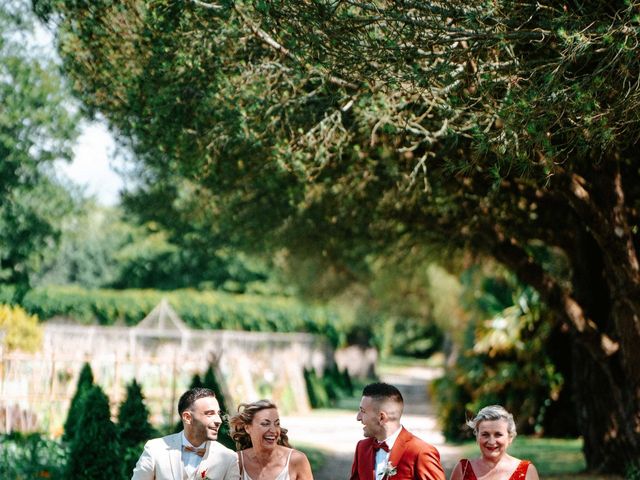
column 192, row 454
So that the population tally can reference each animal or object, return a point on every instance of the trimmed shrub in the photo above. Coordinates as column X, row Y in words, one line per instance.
column 85, row 382
column 209, row 381
column 95, row 451
column 133, row 426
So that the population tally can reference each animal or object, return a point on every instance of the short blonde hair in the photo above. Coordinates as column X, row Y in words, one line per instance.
column 493, row 412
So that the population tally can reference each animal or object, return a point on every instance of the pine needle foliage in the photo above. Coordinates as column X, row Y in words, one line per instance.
column 133, row 425
column 85, row 382
column 95, row 450
column 210, row 381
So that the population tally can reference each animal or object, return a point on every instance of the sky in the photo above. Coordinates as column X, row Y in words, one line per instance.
column 93, row 164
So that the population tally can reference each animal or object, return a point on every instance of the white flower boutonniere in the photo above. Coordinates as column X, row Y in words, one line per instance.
column 388, row 471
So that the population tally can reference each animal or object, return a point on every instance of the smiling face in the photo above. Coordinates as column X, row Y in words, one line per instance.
column 369, row 416
column 264, row 429
column 202, row 421
column 493, row 438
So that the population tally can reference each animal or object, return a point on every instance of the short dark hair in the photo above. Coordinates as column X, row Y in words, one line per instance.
column 382, row 391
column 189, row 397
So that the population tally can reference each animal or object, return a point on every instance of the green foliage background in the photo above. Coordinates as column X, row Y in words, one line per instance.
column 509, row 354
column 38, row 126
column 201, row 310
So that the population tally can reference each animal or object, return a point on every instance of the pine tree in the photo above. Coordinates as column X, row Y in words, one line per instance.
column 95, row 450
column 133, row 425
column 196, row 382
column 209, row 381
column 85, row 382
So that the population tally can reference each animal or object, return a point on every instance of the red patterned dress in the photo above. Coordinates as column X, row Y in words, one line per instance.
column 519, row 474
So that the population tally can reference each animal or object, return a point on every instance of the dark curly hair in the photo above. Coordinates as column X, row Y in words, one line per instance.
column 245, row 415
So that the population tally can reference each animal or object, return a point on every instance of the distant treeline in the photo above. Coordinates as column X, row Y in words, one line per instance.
column 201, row 310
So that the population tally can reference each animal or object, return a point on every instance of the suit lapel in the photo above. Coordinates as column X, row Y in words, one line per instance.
column 175, row 456
column 368, row 459
column 399, row 447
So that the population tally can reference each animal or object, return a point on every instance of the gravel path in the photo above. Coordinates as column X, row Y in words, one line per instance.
column 336, row 432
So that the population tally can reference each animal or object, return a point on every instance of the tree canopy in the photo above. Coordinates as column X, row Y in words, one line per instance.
column 37, row 127
column 346, row 131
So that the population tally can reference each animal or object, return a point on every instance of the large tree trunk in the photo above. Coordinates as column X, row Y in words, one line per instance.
column 606, row 281
column 606, row 412
column 606, row 370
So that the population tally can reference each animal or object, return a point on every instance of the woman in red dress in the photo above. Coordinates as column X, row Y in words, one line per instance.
column 494, row 429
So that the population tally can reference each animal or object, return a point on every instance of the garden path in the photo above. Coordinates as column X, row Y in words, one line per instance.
column 336, row 432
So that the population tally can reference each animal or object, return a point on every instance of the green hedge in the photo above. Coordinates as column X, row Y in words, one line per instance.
column 200, row 310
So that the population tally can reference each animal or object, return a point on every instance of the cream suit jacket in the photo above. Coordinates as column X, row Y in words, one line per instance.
column 161, row 459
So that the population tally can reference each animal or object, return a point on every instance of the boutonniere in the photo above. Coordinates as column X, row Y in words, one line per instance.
column 203, row 474
column 388, row 471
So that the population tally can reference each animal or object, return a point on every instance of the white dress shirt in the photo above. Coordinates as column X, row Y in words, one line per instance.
column 190, row 460
column 382, row 457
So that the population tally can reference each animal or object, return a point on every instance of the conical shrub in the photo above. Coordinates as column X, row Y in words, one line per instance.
column 94, row 452
column 133, row 426
column 210, row 381
column 85, row 382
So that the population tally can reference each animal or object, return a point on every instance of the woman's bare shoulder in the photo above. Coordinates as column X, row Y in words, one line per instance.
column 298, row 457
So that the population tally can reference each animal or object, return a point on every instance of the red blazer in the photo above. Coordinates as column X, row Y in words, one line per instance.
column 414, row 459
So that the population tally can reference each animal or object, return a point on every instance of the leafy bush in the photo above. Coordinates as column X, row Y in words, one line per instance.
column 31, row 456
column 507, row 358
column 324, row 391
column 22, row 331
column 633, row 471
column 318, row 396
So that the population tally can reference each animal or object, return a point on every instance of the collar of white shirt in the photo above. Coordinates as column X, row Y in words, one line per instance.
column 391, row 439
column 186, row 442
column 382, row 457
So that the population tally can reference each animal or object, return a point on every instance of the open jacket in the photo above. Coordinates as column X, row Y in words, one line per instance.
column 161, row 459
column 413, row 458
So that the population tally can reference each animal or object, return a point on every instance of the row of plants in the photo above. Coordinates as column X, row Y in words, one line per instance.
column 92, row 446
column 201, row 310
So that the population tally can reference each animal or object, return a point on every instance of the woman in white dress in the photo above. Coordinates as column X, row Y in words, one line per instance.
column 263, row 447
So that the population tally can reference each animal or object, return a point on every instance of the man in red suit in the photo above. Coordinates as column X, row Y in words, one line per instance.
column 389, row 451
